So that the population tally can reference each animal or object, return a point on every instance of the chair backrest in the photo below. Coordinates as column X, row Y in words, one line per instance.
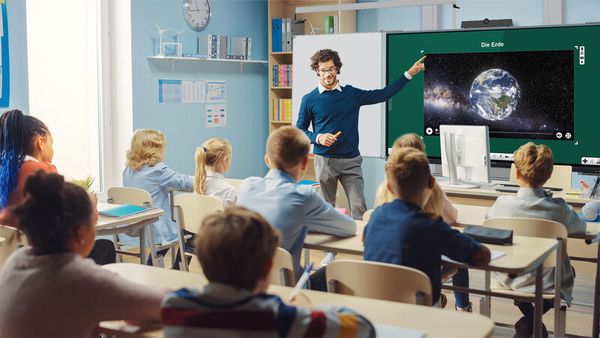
column 191, row 209
column 367, row 215
column 379, row 280
column 532, row 227
column 560, row 178
column 11, row 238
column 282, row 272
column 127, row 195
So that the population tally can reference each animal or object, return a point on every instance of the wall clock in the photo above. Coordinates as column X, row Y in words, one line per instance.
column 196, row 13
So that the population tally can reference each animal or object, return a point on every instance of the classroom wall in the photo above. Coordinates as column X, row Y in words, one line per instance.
column 523, row 13
column 184, row 124
column 17, row 44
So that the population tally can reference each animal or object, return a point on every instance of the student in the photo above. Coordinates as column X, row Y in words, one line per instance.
column 236, row 249
column 145, row 170
column 25, row 148
column 291, row 208
column 534, row 165
column 400, row 232
column 213, row 159
column 438, row 204
column 49, row 289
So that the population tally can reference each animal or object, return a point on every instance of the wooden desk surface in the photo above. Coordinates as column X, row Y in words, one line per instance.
column 105, row 222
column 475, row 215
column 524, row 255
column 434, row 322
column 488, row 193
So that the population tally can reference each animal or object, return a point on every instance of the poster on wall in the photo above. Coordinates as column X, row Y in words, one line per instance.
column 215, row 91
column 216, row 115
column 4, row 65
column 181, row 91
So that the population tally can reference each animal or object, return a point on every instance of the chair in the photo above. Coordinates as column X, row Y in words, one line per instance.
column 142, row 198
column 10, row 240
column 380, row 281
column 560, row 178
column 190, row 211
column 282, row 272
column 367, row 215
column 534, row 227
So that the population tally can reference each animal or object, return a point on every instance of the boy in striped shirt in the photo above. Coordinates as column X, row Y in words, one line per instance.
column 236, row 250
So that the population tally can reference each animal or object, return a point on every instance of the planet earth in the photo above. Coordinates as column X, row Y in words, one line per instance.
column 495, row 94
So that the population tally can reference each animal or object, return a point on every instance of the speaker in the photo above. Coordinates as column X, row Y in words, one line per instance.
column 486, row 23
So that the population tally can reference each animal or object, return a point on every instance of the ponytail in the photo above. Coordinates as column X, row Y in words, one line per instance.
column 16, row 134
column 200, row 179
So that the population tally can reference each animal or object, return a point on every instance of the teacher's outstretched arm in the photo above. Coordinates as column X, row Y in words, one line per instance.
column 367, row 97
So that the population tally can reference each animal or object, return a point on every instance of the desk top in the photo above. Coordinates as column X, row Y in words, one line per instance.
column 433, row 321
column 524, row 255
column 475, row 215
column 488, row 192
column 105, row 222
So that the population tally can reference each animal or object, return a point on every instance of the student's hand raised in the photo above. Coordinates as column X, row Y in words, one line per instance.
column 300, row 299
column 326, row 139
column 417, row 67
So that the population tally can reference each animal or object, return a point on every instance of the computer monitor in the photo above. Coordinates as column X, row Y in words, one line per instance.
column 465, row 155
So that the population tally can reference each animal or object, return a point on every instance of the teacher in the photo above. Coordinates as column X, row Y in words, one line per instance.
column 332, row 109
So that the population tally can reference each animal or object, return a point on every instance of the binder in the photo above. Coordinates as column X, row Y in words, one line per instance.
column 288, row 35
column 276, row 35
column 248, row 48
column 222, row 49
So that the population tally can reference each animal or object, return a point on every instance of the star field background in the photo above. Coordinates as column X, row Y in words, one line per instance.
column 546, row 83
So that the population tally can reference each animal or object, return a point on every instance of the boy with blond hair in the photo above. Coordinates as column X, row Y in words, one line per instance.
column 236, row 249
column 534, row 165
column 291, row 208
column 400, row 232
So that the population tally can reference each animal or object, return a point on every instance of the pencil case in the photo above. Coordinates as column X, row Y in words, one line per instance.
column 489, row 235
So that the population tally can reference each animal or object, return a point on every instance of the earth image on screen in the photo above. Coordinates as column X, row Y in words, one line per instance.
column 495, row 94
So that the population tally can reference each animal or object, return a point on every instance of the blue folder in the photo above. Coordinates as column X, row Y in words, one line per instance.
column 122, row 210
column 276, row 35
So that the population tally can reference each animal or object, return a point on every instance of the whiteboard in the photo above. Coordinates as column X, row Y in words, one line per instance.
column 362, row 56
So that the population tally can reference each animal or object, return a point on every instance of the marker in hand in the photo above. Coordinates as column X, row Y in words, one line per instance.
column 303, row 279
column 336, row 135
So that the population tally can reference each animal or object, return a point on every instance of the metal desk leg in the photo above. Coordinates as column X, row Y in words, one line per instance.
column 537, row 324
column 558, row 327
column 596, row 319
column 487, row 299
column 143, row 245
column 306, row 257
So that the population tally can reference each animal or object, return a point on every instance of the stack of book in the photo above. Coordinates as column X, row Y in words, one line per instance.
column 224, row 47
column 282, row 110
column 283, row 31
column 282, row 75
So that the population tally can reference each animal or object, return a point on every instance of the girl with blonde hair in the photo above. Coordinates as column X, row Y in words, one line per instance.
column 213, row 159
column 438, row 204
column 146, row 170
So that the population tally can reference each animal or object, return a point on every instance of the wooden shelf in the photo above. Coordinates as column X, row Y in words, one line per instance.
column 281, row 53
column 188, row 58
column 281, row 88
column 280, row 122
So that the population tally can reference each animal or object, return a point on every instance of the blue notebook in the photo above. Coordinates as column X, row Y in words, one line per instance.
column 309, row 182
column 122, row 210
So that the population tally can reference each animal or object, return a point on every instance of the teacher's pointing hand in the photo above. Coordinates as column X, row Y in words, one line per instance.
column 326, row 139
column 417, row 67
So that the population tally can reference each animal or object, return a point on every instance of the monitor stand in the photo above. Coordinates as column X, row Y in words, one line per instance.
column 454, row 183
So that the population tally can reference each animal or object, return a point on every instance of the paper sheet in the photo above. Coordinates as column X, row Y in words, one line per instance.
column 192, row 91
column 215, row 91
column 386, row 331
column 495, row 254
column 216, row 115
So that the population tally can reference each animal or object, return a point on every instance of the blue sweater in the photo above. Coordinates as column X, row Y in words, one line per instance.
column 400, row 233
column 333, row 111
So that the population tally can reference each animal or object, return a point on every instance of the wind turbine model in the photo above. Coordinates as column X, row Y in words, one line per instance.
column 313, row 30
column 161, row 33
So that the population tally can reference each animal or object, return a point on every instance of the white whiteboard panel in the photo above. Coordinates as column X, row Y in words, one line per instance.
column 362, row 56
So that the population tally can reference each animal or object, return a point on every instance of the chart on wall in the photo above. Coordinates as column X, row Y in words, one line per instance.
column 4, row 68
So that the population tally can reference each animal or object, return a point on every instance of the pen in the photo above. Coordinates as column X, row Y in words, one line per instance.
column 336, row 135
column 303, row 279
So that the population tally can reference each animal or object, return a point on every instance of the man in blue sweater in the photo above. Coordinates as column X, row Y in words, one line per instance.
column 332, row 108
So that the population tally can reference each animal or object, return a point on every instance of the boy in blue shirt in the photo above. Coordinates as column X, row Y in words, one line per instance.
column 399, row 232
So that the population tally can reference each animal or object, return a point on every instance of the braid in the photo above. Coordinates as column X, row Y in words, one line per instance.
column 16, row 133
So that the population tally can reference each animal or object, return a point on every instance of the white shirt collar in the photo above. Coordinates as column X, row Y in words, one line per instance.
column 214, row 174
column 29, row 158
column 322, row 88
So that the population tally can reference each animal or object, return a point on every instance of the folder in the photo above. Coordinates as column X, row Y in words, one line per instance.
column 276, row 35
column 122, row 210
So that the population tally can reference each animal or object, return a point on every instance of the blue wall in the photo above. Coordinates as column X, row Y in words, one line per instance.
column 523, row 13
column 17, row 48
column 183, row 124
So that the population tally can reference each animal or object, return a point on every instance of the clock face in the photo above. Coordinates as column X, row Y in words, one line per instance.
column 196, row 13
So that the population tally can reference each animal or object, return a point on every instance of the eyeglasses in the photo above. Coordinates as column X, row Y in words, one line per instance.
column 328, row 70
